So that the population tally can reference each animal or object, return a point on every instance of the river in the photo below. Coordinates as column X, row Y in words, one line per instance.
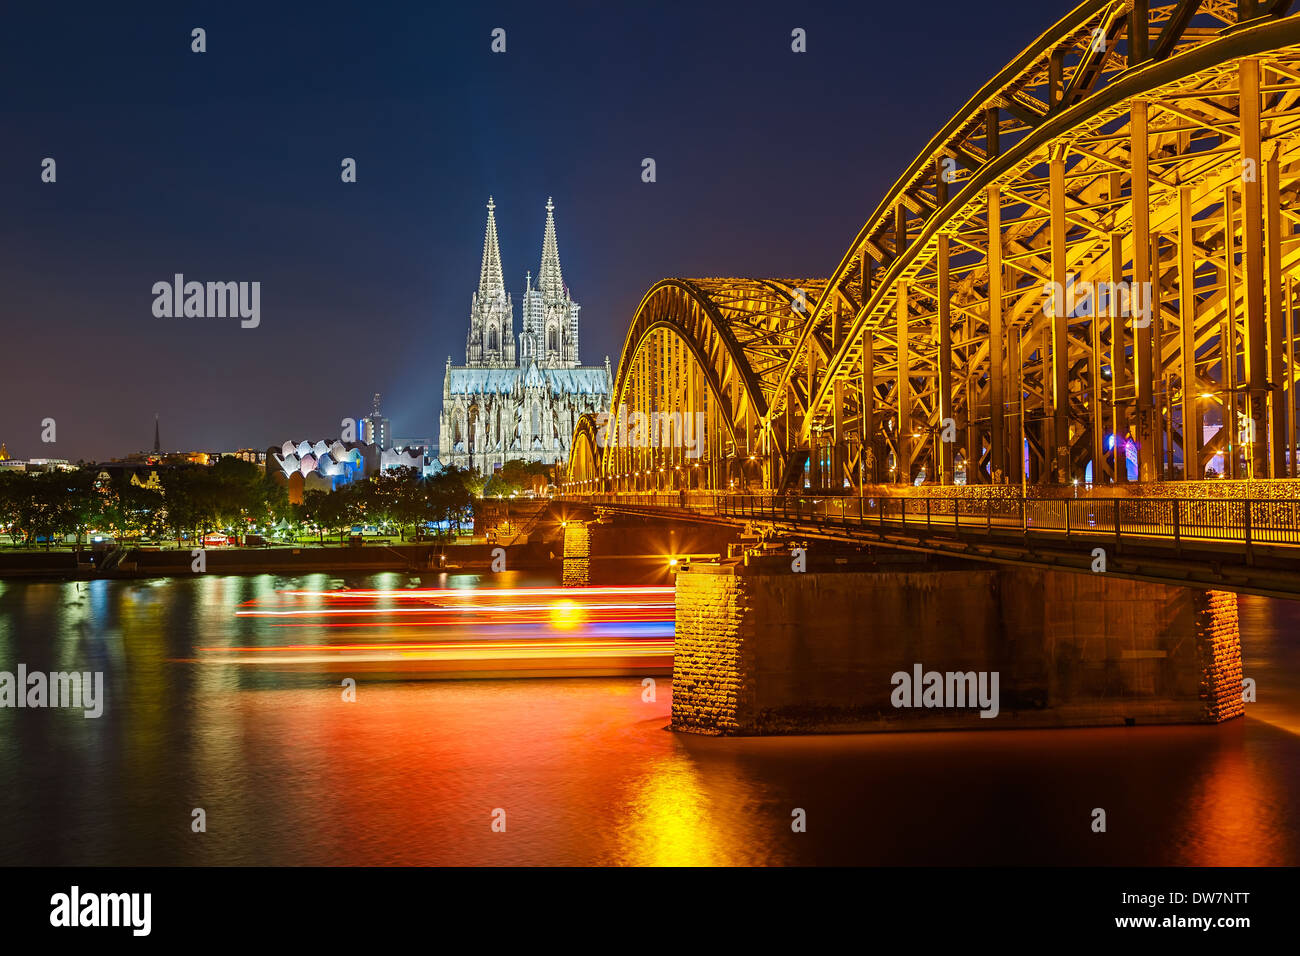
column 225, row 695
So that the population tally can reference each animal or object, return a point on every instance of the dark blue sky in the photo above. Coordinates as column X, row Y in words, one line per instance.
column 225, row 166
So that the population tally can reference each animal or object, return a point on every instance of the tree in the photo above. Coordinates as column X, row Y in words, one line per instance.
column 81, row 507
column 13, row 491
column 192, row 498
column 55, row 503
column 130, row 508
column 328, row 510
column 450, row 495
column 39, row 506
column 243, row 494
column 472, row 480
column 516, row 476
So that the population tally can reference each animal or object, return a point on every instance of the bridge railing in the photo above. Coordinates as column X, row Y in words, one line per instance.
column 1243, row 521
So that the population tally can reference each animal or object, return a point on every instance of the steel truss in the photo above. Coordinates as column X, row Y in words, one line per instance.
column 1144, row 158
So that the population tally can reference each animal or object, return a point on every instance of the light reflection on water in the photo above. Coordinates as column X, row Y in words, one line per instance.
column 583, row 767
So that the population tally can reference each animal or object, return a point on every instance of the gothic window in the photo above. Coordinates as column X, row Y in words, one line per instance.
column 458, row 430
column 553, row 339
column 492, row 339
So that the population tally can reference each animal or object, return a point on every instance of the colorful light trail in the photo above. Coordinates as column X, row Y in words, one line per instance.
column 480, row 632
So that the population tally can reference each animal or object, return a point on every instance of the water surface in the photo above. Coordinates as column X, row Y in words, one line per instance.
column 412, row 772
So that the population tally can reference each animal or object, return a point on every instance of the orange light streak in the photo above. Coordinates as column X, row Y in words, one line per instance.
column 414, row 593
column 514, row 608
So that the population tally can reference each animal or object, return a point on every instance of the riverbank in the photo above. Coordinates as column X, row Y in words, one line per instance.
column 149, row 563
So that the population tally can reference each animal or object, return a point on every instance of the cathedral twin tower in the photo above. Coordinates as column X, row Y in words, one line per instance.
column 550, row 335
column 518, row 399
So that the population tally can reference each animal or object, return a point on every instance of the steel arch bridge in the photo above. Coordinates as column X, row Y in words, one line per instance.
column 1093, row 262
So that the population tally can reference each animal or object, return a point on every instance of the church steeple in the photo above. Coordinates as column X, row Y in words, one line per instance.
column 491, row 279
column 550, row 315
column 157, row 445
column 491, row 340
column 549, row 278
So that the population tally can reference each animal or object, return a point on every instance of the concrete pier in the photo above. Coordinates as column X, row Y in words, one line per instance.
column 761, row 649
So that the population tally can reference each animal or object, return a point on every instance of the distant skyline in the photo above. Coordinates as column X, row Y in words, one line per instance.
column 225, row 166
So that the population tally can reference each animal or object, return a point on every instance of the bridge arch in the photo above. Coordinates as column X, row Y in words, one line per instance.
column 694, row 382
column 1150, row 148
column 583, row 473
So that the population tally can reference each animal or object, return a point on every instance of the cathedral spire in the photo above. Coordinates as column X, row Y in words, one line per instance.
column 491, row 281
column 549, row 278
column 157, row 446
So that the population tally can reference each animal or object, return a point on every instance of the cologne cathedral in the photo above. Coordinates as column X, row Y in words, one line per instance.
column 518, row 397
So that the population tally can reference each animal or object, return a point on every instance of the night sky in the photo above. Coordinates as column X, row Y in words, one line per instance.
column 225, row 166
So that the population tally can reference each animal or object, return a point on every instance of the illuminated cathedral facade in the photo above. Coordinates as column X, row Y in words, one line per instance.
column 518, row 397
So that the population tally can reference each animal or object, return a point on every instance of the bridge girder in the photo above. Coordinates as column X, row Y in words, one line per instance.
column 1155, row 145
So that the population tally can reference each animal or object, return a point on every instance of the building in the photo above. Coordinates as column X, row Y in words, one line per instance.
column 255, row 456
column 329, row 464
column 518, row 399
column 426, row 445
column 375, row 429
column 42, row 464
column 33, row 464
column 391, row 459
column 10, row 464
column 321, row 465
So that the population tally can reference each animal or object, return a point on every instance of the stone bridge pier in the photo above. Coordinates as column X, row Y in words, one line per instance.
column 762, row 649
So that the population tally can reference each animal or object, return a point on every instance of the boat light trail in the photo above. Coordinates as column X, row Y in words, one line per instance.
column 534, row 631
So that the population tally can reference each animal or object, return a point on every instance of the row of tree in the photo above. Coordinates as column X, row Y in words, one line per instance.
column 232, row 496
column 398, row 500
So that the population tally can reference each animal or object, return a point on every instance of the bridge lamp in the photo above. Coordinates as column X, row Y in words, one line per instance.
column 672, row 562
